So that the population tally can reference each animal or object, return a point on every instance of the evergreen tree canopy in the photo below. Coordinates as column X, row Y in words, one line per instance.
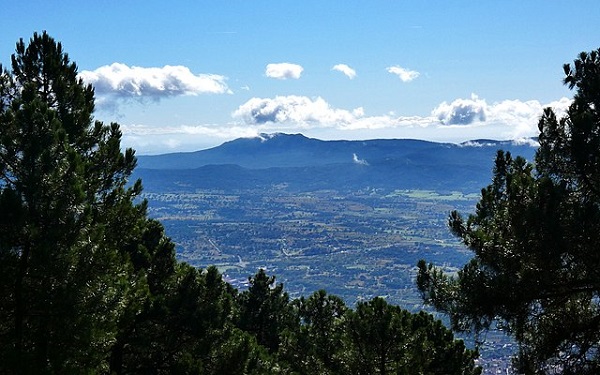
column 63, row 188
column 264, row 310
column 315, row 343
column 385, row 339
column 535, row 236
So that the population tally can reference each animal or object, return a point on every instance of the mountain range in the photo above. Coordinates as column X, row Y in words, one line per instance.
column 300, row 163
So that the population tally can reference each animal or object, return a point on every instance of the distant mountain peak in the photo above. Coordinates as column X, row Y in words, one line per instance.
column 264, row 137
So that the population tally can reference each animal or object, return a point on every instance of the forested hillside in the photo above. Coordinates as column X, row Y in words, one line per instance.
column 90, row 284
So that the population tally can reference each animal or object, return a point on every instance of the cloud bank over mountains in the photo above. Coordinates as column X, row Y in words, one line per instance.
column 459, row 120
column 517, row 117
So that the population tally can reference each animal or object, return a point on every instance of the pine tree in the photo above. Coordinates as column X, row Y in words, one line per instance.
column 535, row 236
column 264, row 310
column 315, row 343
column 386, row 339
column 64, row 202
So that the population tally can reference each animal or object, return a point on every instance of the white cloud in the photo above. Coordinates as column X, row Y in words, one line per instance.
column 299, row 110
column 507, row 119
column 284, row 71
column 406, row 75
column 122, row 81
column 348, row 71
column 522, row 117
column 461, row 111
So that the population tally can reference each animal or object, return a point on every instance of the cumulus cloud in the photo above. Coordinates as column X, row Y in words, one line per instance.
column 120, row 80
column 284, row 71
column 522, row 116
column 406, row 75
column 461, row 111
column 348, row 71
column 294, row 109
column 509, row 119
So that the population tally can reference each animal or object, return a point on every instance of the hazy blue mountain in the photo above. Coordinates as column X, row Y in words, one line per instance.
column 303, row 163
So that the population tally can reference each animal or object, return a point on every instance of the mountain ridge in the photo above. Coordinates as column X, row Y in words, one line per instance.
column 305, row 164
column 297, row 150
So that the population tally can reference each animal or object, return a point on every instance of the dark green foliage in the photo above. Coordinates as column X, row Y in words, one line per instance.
column 315, row 344
column 385, row 339
column 375, row 338
column 535, row 237
column 64, row 278
column 264, row 310
column 379, row 337
column 186, row 328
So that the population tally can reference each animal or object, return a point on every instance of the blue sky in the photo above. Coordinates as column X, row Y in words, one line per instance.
column 187, row 75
